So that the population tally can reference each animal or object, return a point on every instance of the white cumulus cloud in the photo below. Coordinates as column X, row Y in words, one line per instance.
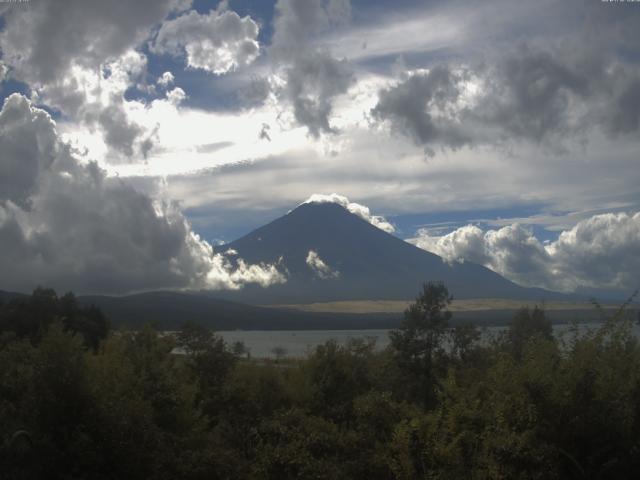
column 165, row 79
column 602, row 251
column 176, row 96
column 319, row 267
column 218, row 42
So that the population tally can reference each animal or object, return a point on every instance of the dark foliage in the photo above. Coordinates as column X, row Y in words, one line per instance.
column 418, row 344
column 439, row 403
column 31, row 317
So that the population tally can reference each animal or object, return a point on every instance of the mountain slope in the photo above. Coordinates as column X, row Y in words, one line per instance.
column 372, row 264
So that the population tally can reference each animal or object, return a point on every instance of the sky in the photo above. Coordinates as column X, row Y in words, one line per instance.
column 135, row 137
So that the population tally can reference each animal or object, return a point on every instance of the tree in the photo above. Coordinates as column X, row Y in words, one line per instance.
column 337, row 375
column 279, row 351
column 88, row 321
column 31, row 317
column 239, row 349
column 527, row 325
column 210, row 362
column 463, row 341
column 418, row 343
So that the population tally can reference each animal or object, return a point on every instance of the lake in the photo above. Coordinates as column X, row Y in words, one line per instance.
column 298, row 343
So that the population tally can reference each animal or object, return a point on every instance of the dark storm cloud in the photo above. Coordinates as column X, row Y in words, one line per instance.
column 529, row 95
column 43, row 41
column 312, row 77
column 119, row 133
column 621, row 113
column 546, row 92
column 312, row 83
column 424, row 106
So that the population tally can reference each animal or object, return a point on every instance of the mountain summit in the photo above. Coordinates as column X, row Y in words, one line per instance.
column 331, row 254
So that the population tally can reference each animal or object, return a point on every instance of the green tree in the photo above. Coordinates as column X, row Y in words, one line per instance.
column 209, row 361
column 279, row 351
column 464, row 338
column 30, row 317
column 144, row 417
column 88, row 321
column 527, row 325
column 49, row 400
column 337, row 375
column 418, row 344
column 294, row 444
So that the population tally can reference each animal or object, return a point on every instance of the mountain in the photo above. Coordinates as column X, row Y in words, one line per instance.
column 369, row 264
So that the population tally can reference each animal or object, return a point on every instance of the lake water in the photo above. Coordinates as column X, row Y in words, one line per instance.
column 298, row 343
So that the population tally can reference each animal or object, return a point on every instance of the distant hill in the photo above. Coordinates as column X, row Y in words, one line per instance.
column 370, row 263
column 169, row 310
column 7, row 296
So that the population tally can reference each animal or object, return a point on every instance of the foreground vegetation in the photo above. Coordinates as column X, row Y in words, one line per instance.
column 78, row 401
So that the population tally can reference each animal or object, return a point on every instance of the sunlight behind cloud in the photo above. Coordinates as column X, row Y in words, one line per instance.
column 180, row 133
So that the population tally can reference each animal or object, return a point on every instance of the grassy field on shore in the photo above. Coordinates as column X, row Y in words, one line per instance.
column 464, row 305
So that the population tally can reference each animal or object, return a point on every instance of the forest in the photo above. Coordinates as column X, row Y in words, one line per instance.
column 79, row 400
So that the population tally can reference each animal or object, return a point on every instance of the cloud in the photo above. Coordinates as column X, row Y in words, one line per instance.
column 79, row 58
column 264, row 132
column 43, row 42
column 531, row 94
column 176, row 96
column 355, row 208
column 547, row 95
column 311, row 78
column 213, row 147
column 312, row 82
column 96, row 98
column 426, row 27
column 256, row 92
column 599, row 252
column 24, row 158
column 320, row 269
column 464, row 243
column 166, row 79
column 425, row 106
column 217, row 42
column 64, row 223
